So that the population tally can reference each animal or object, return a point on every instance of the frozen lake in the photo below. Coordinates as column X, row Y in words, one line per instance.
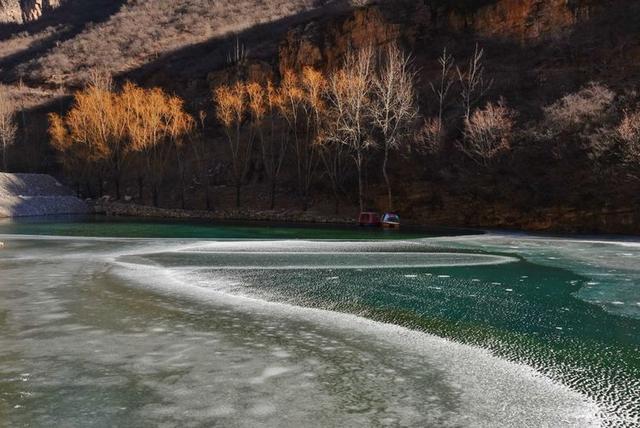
column 132, row 324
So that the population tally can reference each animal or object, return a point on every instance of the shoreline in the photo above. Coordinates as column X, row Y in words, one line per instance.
column 297, row 216
column 121, row 209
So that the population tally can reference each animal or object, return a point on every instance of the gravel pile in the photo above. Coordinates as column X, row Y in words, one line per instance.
column 23, row 195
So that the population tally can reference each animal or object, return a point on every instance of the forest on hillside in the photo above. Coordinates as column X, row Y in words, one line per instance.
column 376, row 107
column 336, row 128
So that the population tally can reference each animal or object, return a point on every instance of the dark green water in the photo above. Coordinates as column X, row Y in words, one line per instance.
column 99, row 226
column 568, row 308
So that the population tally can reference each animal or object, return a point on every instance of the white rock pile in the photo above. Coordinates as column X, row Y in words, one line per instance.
column 24, row 195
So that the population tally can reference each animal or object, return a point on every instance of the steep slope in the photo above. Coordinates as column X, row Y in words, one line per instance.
column 141, row 32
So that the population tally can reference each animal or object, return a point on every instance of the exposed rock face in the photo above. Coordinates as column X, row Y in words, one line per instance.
column 10, row 11
column 22, row 11
column 321, row 43
column 318, row 44
column 523, row 19
column 32, row 10
column 23, row 195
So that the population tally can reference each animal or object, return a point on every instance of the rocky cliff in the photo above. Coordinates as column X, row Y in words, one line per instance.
column 518, row 22
column 23, row 11
column 525, row 20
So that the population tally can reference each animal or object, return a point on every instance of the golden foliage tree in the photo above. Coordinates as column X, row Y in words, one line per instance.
column 231, row 104
column 104, row 128
column 274, row 148
column 265, row 103
column 157, row 125
column 313, row 84
column 8, row 128
column 73, row 156
column 91, row 133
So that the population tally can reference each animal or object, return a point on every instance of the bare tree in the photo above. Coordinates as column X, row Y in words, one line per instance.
column 8, row 127
column 443, row 86
column 332, row 156
column 349, row 95
column 473, row 84
column 429, row 137
column 393, row 106
column 237, row 58
column 488, row 132
column 575, row 122
column 582, row 111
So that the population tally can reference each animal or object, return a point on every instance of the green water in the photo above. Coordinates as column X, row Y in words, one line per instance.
column 99, row 226
column 568, row 308
column 522, row 311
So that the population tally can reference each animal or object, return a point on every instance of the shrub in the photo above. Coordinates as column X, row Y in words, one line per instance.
column 587, row 108
column 488, row 133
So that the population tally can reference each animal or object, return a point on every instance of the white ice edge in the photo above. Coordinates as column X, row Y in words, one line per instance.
column 486, row 382
column 623, row 241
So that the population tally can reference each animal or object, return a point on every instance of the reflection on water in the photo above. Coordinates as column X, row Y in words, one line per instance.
column 139, row 332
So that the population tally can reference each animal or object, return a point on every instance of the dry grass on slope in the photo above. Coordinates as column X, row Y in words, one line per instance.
column 144, row 29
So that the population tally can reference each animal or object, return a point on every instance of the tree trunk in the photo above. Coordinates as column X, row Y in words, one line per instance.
column 207, row 191
column 272, row 203
column 140, row 188
column 386, row 179
column 182, row 190
column 155, row 195
column 238, row 186
column 116, row 181
column 360, row 180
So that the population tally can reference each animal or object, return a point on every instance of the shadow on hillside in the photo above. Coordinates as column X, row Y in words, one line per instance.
column 64, row 22
column 261, row 42
column 74, row 13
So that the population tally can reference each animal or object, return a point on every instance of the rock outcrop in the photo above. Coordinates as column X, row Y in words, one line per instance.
column 10, row 11
column 524, row 20
column 23, row 11
column 322, row 42
column 25, row 195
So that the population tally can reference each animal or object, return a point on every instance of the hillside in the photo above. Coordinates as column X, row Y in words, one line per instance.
column 535, row 52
